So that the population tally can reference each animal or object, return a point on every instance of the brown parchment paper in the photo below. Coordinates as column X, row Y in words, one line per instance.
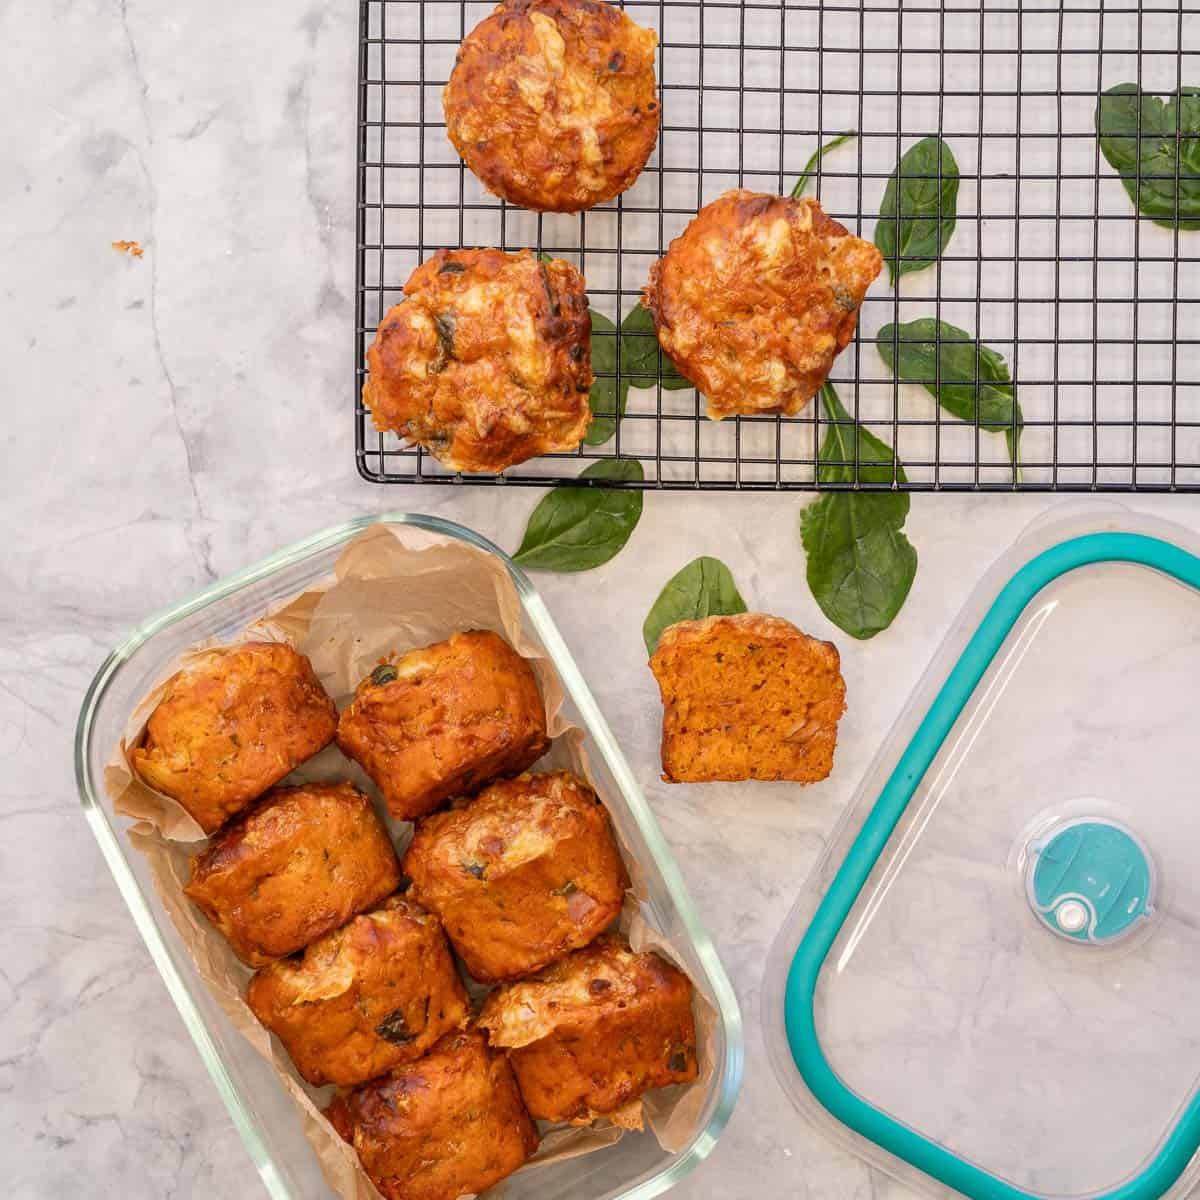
column 393, row 588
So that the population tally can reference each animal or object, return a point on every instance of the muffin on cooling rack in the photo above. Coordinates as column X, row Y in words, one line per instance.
column 230, row 725
column 448, row 1125
column 594, row 1032
column 520, row 875
column 365, row 998
column 747, row 697
column 755, row 299
column 440, row 721
column 487, row 362
column 553, row 103
column 299, row 863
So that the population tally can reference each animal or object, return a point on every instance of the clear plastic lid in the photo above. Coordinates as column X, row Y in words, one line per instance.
column 1010, row 1002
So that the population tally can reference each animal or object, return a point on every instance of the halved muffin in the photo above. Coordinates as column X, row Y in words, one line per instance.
column 747, row 697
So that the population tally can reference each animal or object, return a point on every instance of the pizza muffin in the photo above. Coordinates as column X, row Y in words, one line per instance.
column 520, row 875
column 755, row 299
column 367, row 997
column 594, row 1032
column 230, row 725
column 487, row 361
column 299, row 863
column 448, row 1125
column 440, row 721
column 553, row 104
column 747, row 697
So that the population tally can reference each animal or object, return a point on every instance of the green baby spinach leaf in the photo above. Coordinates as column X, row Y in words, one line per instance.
column 636, row 346
column 641, row 354
column 860, row 564
column 607, row 401
column 577, row 528
column 704, row 588
column 969, row 380
column 818, row 154
column 919, row 208
column 1155, row 147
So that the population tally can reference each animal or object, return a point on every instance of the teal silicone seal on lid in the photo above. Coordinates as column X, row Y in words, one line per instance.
column 1086, row 862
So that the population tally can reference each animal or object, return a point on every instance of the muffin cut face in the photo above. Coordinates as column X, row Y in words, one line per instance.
column 487, row 362
column 232, row 724
column 378, row 992
column 755, row 299
column 440, row 721
column 747, row 697
column 448, row 1125
column 591, row 1034
column 522, row 874
column 553, row 103
column 301, row 862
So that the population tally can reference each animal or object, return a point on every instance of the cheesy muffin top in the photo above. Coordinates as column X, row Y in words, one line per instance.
column 553, row 103
column 755, row 299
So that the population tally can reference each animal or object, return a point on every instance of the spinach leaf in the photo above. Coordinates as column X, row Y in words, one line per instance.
column 969, row 380
column 1155, row 146
column 704, row 588
column 636, row 344
column 818, row 154
column 578, row 528
column 641, row 353
column 919, row 208
column 607, row 404
column 860, row 564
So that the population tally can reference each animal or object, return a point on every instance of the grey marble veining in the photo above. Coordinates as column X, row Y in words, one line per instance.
column 170, row 419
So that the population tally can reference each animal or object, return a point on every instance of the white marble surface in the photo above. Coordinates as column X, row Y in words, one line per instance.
column 171, row 419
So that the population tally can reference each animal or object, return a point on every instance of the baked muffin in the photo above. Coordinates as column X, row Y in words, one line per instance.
column 520, row 875
column 755, row 299
column 301, row 862
column 440, row 721
column 553, row 104
column 230, row 725
column 589, row 1035
column 367, row 997
column 448, row 1125
column 487, row 362
column 747, row 697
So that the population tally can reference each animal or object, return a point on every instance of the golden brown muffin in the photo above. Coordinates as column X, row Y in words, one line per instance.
column 755, row 299
column 488, row 362
column 365, row 998
column 440, row 721
column 553, row 104
column 520, row 875
column 301, row 862
column 448, row 1125
column 230, row 725
column 595, row 1031
column 747, row 697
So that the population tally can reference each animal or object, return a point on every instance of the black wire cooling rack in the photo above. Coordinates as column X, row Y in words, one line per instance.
column 1095, row 309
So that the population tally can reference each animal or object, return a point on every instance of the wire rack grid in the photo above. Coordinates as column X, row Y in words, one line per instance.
column 1095, row 309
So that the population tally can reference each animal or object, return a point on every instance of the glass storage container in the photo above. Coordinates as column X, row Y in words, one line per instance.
column 636, row 1167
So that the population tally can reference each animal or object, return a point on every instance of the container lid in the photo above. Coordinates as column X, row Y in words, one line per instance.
column 992, row 981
